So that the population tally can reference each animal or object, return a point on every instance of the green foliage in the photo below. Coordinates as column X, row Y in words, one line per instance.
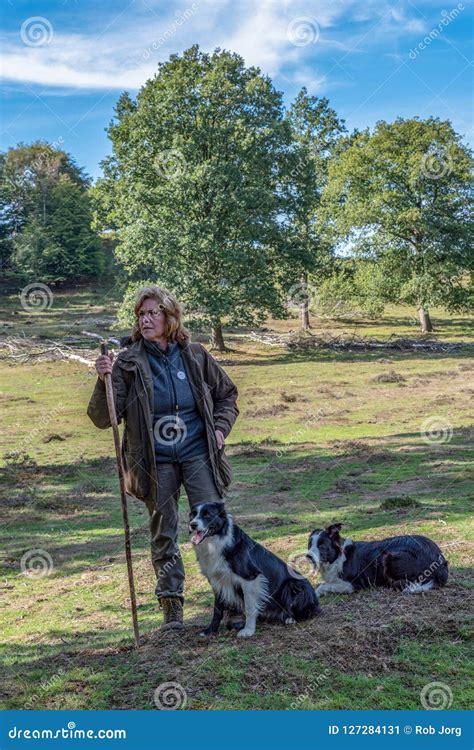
column 193, row 186
column 316, row 131
column 403, row 196
column 354, row 290
column 46, row 229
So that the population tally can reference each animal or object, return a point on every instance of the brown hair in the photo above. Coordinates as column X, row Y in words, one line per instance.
column 174, row 328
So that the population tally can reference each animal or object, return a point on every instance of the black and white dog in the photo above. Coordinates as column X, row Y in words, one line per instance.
column 244, row 576
column 412, row 564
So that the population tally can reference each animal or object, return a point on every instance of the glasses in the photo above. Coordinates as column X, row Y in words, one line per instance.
column 150, row 313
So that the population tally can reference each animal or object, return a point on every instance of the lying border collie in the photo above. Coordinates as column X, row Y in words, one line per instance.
column 244, row 575
column 412, row 564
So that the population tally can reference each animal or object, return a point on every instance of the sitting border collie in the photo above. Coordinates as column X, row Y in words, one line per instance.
column 412, row 564
column 245, row 576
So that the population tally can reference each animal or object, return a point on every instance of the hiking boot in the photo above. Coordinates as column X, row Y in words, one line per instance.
column 172, row 613
column 235, row 620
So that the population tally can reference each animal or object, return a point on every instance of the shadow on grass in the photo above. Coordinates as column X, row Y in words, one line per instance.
column 276, row 493
column 363, row 635
column 318, row 355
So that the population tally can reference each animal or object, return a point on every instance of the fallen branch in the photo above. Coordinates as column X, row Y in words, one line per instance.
column 23, row 349
column 302, row 341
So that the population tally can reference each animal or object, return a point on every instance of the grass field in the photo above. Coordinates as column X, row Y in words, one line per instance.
column 320, row 438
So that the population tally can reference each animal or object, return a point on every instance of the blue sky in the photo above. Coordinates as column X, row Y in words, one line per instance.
column 65, row 62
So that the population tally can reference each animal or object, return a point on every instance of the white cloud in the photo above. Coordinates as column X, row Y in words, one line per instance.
column 55, row 70
column 307, row 77
column 125, row 53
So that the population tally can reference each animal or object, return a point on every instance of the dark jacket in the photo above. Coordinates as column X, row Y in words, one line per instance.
column 215, row 395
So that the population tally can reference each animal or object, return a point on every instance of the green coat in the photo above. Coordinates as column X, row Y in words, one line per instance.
column 215, row 395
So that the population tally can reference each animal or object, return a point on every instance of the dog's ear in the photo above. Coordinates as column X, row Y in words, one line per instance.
column 333, row 530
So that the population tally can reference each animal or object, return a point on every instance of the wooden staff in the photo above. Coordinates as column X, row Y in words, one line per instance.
column 126, row 527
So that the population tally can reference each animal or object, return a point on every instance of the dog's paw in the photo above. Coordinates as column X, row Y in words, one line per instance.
column 237, row 625
column 206, row 633
column 246, row 632
column 290, row 621
column 321, row 590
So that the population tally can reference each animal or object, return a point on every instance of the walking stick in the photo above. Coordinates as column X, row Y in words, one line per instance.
column 126, row 527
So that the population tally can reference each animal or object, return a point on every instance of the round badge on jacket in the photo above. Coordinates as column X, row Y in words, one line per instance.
column 181, row 375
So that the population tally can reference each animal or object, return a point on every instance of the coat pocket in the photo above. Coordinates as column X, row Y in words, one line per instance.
column 137, row 478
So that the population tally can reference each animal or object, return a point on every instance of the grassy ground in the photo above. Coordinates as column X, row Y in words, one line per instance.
column 318, row 439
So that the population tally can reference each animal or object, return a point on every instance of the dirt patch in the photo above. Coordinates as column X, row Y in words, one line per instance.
column 344, row 485
column 350, row 446
column 54, row 436
column 249, row 451
column 291, row 398
column 397, row 503
column 9, row 399
column 326, row 391
column 271, row 411
column 388, row 377
column 263, row 523
column 355, row 634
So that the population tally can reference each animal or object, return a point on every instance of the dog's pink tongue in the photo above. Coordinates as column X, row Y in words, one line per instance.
column 197, row 537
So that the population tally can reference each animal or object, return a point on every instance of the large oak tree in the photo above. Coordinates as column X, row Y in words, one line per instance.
column 194, row 187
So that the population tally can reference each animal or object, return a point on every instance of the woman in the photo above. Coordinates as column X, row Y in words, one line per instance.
column 178, row 406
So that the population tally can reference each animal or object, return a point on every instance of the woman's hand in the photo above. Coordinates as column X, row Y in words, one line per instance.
column 220, row 438
column 103, row 364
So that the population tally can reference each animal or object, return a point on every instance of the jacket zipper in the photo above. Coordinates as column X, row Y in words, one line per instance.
column 175, row 398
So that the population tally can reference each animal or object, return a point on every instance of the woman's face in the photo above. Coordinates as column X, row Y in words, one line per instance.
column 151, row 320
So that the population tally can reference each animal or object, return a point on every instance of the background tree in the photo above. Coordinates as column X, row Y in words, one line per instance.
column 353, row 290
column 403, row 197
column 45, row 215
column 193, row 189
column 316, row 131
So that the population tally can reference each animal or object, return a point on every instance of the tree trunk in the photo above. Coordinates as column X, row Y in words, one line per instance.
column 305, row 324
column 425, row 320
column 217, row 339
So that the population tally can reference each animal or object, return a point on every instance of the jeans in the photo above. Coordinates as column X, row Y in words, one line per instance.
column 196, row 476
